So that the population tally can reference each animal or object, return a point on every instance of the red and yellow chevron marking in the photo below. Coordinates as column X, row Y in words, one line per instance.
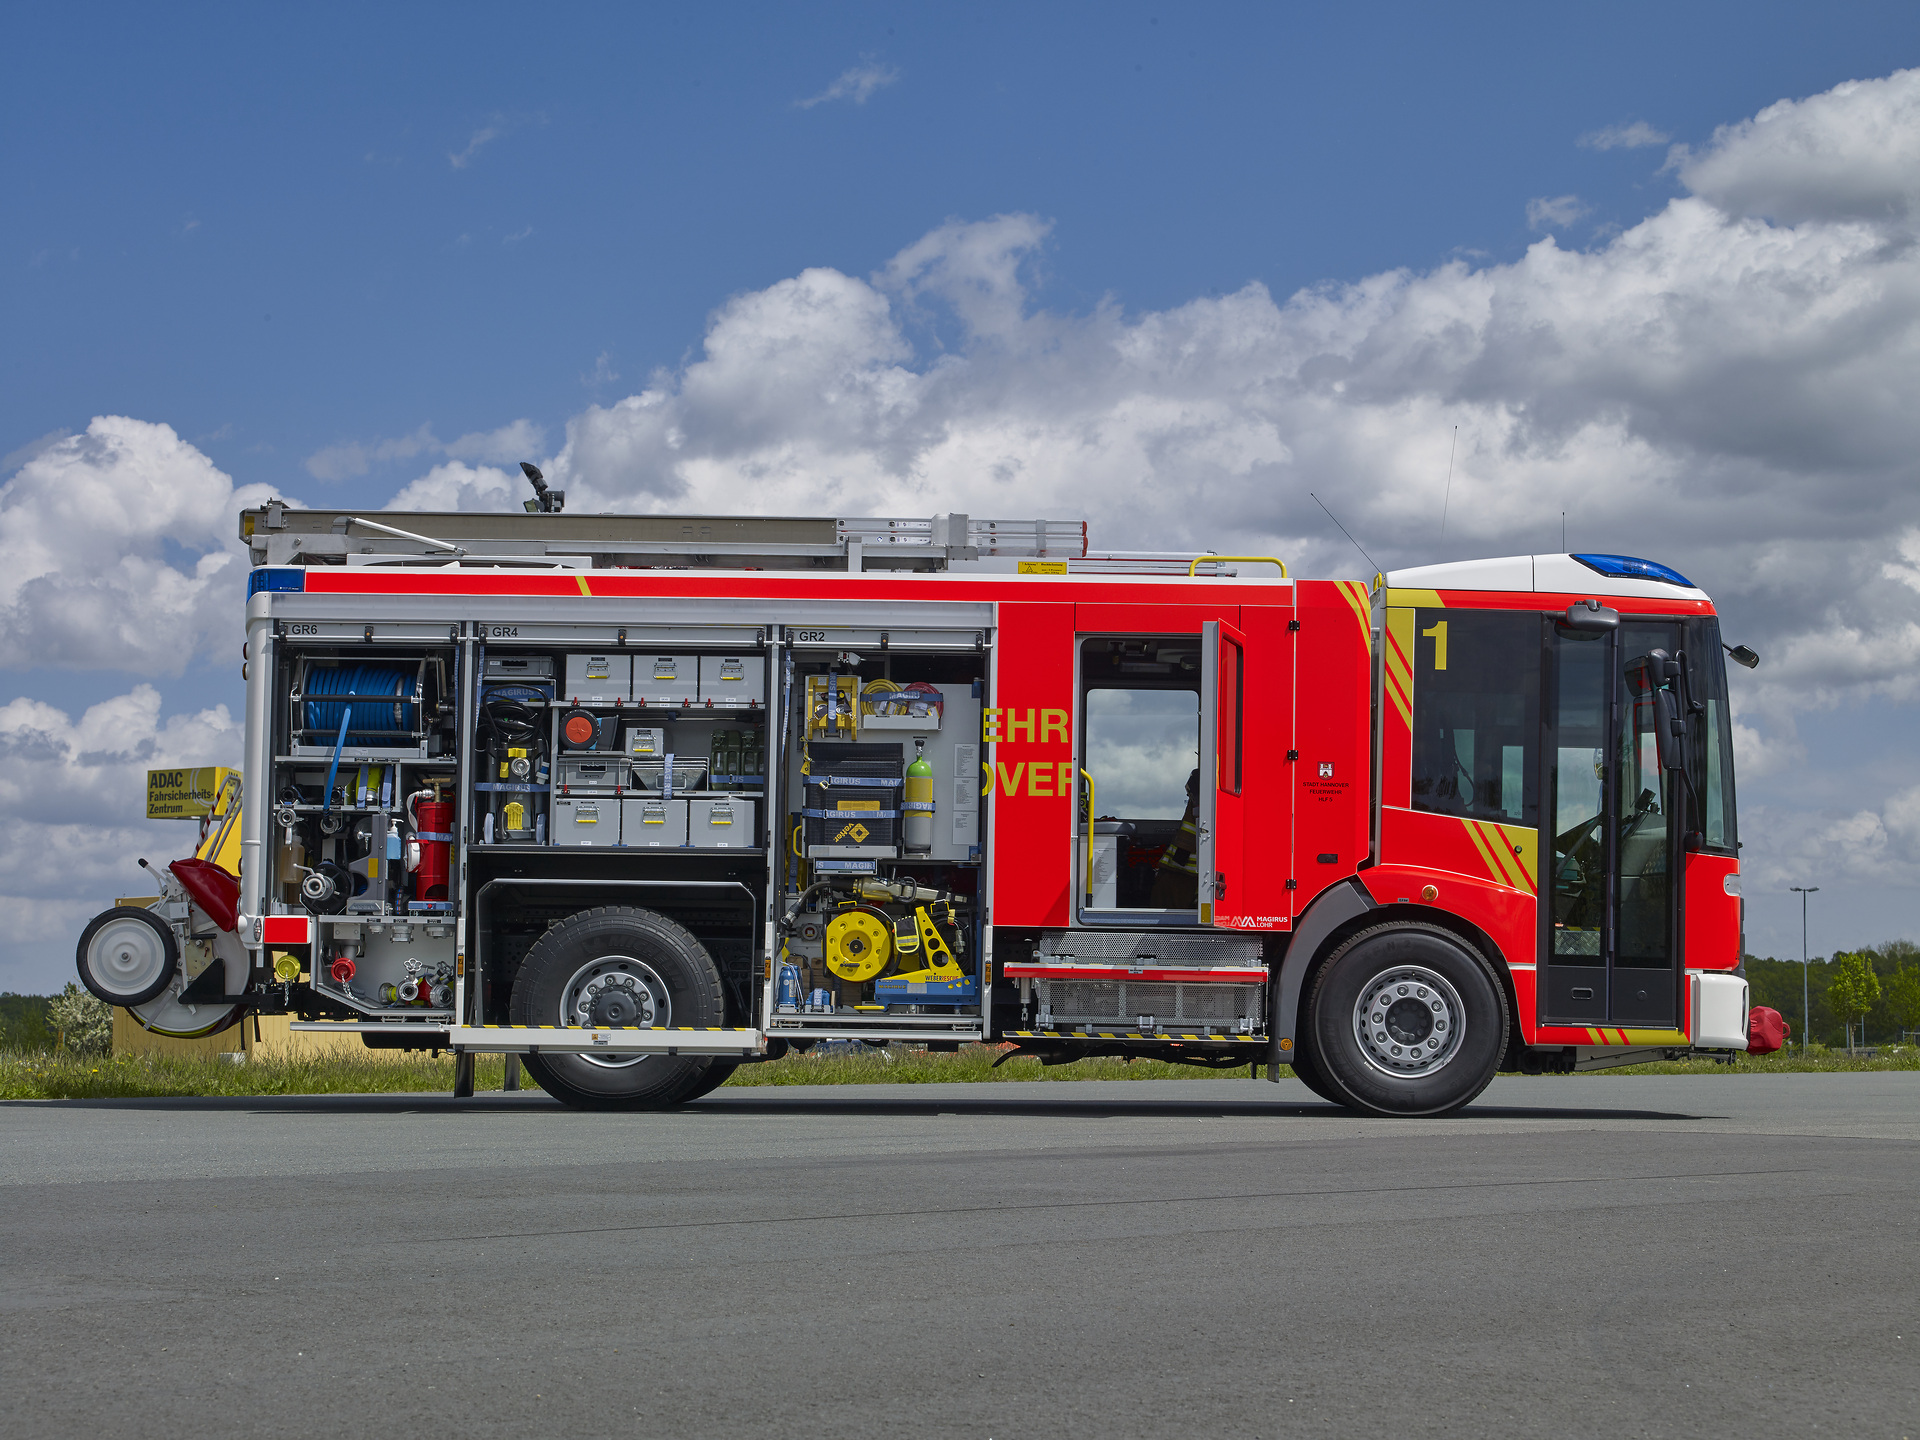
column 1510, row 853
column 1355, row 594
column 1612, row 1036
column 583, row 584
column 1399, row 664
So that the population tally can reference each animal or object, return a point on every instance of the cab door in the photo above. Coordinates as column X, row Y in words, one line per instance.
column 1222, row 829
column 1610, row 944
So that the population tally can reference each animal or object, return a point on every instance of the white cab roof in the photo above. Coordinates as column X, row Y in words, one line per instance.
column 1557, row 574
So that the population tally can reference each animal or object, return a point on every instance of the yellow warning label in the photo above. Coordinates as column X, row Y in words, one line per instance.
column 1043, row 567
column 185, row 794
column 858, row 805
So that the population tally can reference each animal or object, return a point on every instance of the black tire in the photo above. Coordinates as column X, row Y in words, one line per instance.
column 127, row 955
column 1308, row 1074
column 715, row 1075
column 620, row 936
column 1441, row 983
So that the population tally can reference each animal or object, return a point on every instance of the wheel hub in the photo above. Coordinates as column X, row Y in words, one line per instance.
column 614, row 1006
column 128, row 956
column 615, row 990
column 1409, row 1021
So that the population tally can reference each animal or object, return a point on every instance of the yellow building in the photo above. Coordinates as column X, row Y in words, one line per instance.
column 265, row 1037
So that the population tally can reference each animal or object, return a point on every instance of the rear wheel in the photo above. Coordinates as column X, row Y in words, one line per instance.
column 1406, row 1020
column 711, row 1079
column 612, row 967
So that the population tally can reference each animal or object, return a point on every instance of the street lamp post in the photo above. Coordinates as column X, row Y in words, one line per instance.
column 1806, row 1005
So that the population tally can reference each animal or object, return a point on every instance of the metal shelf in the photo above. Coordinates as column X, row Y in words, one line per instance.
column 362, row 757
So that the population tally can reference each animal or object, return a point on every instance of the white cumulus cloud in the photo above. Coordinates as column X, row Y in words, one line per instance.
column 123, row 553
column 1849, row 154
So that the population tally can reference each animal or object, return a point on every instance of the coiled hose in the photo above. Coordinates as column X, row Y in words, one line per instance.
column 380, row 697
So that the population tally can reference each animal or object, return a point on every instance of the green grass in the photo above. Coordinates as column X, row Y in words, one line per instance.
column 1818, row 1061
column 51, row 1075
column 47, row 1075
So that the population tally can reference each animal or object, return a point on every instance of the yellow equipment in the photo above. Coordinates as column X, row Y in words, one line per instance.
column 220, row 831
column 833, row 711
column 859, row 944
column 939, row 956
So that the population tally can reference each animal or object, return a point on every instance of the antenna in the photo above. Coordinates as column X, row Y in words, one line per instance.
column 1343, row 529
column 1563, row 532
column 1454, row 444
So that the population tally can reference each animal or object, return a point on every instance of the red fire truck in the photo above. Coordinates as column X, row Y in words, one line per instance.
column 643, row 799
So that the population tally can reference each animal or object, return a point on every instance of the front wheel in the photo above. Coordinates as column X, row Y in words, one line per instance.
column 1407, row 1020
column 619, row 966
column 1308, row 1074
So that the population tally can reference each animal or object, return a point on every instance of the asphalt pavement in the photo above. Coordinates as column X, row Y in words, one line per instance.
column 1580, row 1255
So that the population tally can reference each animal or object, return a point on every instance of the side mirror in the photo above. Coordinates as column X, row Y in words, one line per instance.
column 1741, row 655
column 1669, row 731
column 1653, row 680
column 1590, row 617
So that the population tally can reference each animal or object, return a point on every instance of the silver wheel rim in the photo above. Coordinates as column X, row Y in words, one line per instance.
column 622, row 975
column 1409, row 1021
column 127, row 956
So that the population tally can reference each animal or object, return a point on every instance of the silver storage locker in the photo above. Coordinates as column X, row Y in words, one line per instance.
column 671, row 774
column 665, row 679
column 644, row 742
column 598, row 679
column 591, row 772
column 722, row 822
column 652, row 823
column 586, row 820
column 733, row 680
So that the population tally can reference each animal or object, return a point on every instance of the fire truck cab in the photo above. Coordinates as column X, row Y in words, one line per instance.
column 643, row 799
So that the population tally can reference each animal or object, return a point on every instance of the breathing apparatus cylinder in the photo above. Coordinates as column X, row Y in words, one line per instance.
column 918, row 828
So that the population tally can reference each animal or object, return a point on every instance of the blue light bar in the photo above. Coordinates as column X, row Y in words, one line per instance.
column 276, row 577
column 1629, row 567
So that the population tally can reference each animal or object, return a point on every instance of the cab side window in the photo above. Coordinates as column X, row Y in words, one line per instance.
column 1476, row 715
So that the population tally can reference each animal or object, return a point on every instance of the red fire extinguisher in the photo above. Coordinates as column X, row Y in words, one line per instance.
column 433, row 827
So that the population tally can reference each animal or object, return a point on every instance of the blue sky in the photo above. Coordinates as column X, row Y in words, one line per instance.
column 281, row 232
column 345, row 254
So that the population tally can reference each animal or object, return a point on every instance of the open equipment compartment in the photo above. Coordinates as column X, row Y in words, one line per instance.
column 362, row 797
column 611, row 766
column 880, row 933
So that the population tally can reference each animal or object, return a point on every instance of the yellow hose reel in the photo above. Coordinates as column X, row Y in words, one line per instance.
column 859, row 944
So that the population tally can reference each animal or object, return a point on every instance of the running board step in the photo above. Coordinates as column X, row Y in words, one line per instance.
column 623, row 1040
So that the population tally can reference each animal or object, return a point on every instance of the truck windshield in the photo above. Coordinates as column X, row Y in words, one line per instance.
column 1713, row 736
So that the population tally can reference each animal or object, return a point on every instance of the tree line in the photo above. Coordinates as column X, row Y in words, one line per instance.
column 72, row 1018
column 1875, row 989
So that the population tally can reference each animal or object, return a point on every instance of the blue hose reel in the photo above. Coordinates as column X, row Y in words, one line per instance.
column 380, row 698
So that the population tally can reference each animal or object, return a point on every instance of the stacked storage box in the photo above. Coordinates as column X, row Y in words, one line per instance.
column 853, row 796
